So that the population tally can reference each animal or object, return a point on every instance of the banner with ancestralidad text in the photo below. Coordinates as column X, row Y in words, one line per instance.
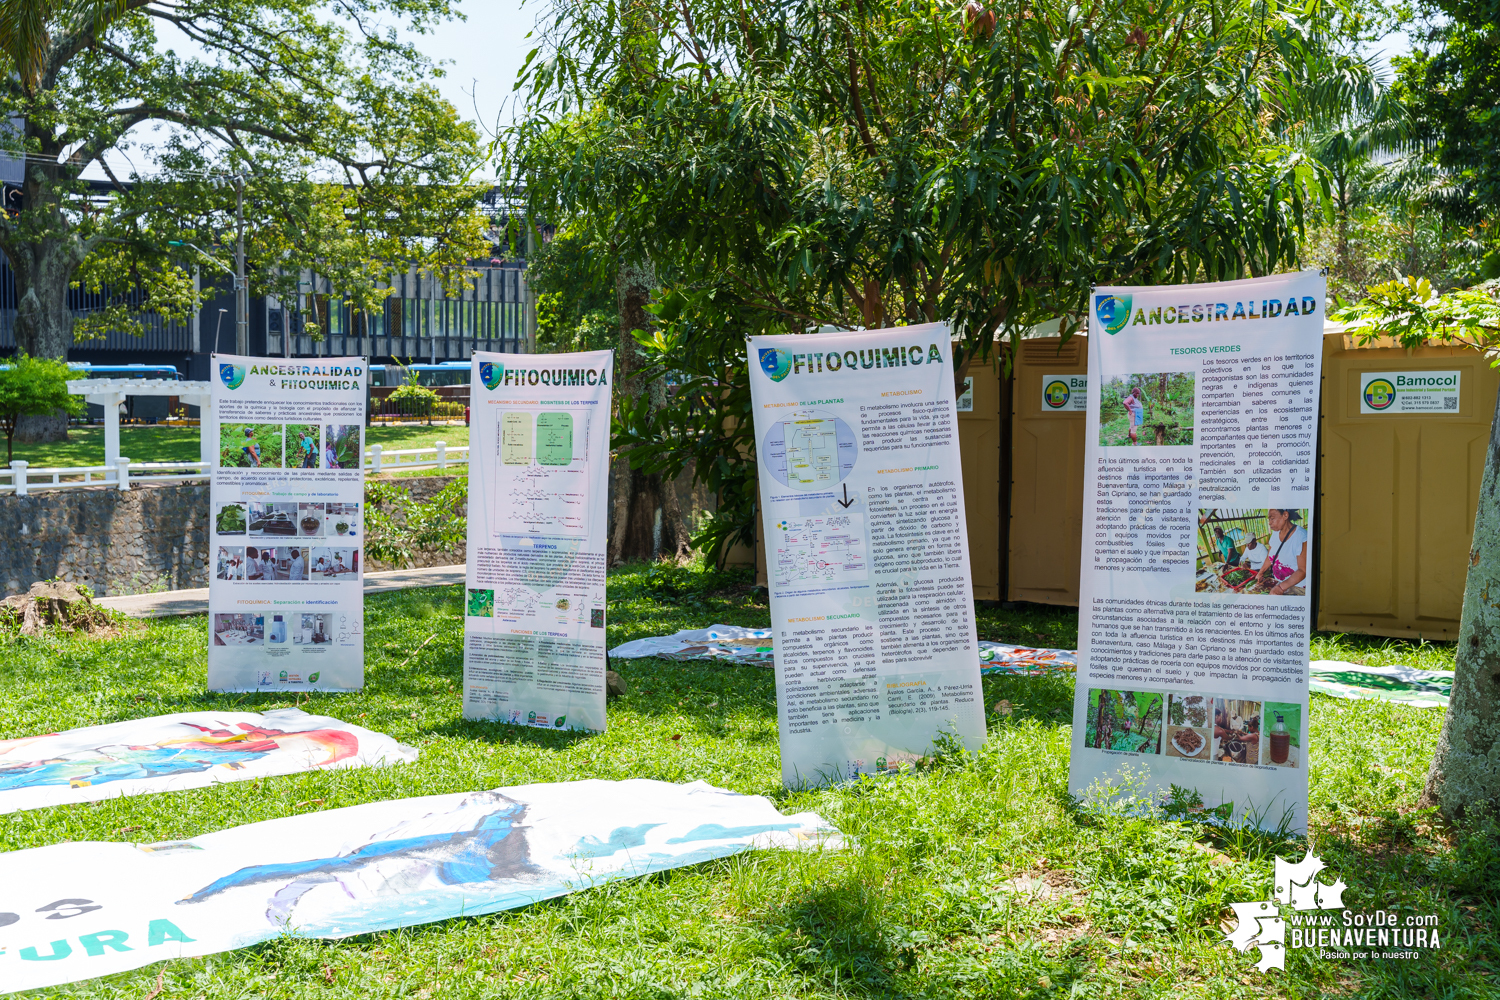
column 1197, row 545
column 867, row 551
column 286, row 593
column 538, row 530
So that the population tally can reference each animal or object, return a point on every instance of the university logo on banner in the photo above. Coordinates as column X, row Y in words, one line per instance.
column 233, row 376
column 490, row 373
column 1113, row 312
column 775, row 363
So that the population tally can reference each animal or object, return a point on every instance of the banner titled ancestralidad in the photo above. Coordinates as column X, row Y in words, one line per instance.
column 1197, row 545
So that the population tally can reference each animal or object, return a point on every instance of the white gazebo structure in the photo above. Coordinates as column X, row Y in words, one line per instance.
column 111, row 392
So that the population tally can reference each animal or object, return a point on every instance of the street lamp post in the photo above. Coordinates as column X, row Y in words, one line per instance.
column 241, row 291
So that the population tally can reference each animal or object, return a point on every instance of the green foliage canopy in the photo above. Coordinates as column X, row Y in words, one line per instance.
column 793, row 165
column 353, row 162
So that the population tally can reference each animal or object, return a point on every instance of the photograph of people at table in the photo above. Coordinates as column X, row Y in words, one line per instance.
column 1255, row 551
column 330, row 562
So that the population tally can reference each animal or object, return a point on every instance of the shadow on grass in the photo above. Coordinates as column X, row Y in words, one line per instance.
column 502, row 733
column 831, row 934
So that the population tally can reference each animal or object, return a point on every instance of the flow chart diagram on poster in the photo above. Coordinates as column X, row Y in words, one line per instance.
column 543, row 473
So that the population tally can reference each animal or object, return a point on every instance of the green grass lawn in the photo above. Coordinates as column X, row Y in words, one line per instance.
column 975, row 877
column 85, row 445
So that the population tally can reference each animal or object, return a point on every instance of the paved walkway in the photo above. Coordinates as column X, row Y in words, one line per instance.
column 195, row 602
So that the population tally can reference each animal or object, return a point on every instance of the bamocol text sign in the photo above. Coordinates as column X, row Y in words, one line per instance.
column 538, row 485
column 1197, row 554
column 1410, row 392
column 866, row 549
column 286, row 594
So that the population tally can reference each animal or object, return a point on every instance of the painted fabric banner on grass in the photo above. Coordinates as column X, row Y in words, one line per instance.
column 1197, row 554
column 286, row 602
column 866, row 549
column 537, row 537
column 737, row 644
column 80, row 910
column 169, row 753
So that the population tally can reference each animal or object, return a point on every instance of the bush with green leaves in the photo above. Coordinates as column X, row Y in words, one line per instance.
column 31, row 387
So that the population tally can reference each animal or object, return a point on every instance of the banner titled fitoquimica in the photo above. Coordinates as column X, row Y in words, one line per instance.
column 538, row 528
column 1197, row 547
column 286, row 592
column 867, row 549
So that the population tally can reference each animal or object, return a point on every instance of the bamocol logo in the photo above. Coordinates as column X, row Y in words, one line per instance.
column 1361, row 935
column 775, row 363
column 1113, row 311
column 490, row 373
column 232, row 375
column 1379, row 394
column 1056, row 394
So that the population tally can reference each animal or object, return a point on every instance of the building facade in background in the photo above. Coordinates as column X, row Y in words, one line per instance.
column 418, row 322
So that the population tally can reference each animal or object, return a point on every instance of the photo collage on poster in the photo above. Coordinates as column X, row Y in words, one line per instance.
column 1219, row 729
column 289, row 541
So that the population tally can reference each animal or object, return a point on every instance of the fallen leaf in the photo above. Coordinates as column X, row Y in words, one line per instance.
column 676, row 736
column 127, row 829
column 309, row 802
column 1002, row 707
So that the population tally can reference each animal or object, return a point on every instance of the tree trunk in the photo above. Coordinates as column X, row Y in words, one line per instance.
column 1465, row 773
column 646, row 513
column 44, row 324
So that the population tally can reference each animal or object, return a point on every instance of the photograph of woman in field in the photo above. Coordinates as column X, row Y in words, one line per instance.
column 1153, row 409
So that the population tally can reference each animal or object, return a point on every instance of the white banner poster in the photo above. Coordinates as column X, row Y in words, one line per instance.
column 169, row 753
column 867, row 550
column 1197, row 553
column 538, row 532
column 286, row 599
column 78, row 910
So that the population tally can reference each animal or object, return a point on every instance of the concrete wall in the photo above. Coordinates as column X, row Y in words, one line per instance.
column 146, row 539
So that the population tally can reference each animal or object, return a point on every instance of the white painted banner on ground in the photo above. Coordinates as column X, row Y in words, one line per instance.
column 285, row 598
column 170, row 753
column 79, row 910
column 538, row 531
column 866, row 549
column 1197, row 557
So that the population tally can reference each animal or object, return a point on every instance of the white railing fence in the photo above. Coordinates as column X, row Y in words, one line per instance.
column 22, row 479
column 439, row 456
